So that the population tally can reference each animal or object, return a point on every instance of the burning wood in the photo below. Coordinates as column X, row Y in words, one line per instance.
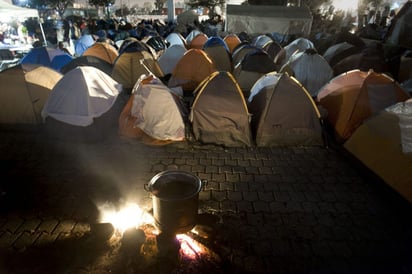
column 141, row 246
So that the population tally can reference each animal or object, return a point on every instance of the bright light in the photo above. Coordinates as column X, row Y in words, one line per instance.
column 131, row 215
column 346, row 5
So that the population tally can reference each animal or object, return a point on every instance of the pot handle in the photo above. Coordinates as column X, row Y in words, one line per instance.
column 204, row 183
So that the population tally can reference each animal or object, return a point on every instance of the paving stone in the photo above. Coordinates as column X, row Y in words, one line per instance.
column 218, row 177
column 225, row 169
column 234, row 195
column 45, row 239
column 7, row 239
column 275, row 210
column 65, row 226
column 281, row 196
column 25, row 240
column 228, row 186
column 29, row 225
column 218, row 195
column 243, row 163
column 250, row 196
column 244, row 206
column 261, row 206
column 266, row 196
column 228, row 206
column 12, row 224
column 251, row 170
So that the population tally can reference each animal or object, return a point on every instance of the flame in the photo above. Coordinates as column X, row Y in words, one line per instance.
column 189, row 247
column 131, row 215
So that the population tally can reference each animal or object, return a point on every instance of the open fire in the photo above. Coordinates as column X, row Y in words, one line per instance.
column 135, row 229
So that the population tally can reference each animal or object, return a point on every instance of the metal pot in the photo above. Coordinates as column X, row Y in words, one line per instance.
column 175, row 197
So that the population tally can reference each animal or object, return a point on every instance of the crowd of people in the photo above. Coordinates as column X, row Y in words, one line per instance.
column 368, row 23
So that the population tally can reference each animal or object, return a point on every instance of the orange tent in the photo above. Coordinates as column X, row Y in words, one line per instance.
column 231, row 40
column 191, row 69
column 102, row 50
column 352, row 97
column 198, row 41
column 377, row 144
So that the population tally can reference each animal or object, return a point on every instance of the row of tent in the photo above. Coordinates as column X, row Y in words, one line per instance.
column 247, row 61
column 241, row 94
column 87, row 104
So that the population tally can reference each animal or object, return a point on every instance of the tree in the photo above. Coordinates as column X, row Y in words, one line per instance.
column 103, row 3
column 210, row 4
column 59, row 5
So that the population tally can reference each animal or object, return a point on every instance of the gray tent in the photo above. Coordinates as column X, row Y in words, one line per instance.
column 219, row 112
column 283, row 112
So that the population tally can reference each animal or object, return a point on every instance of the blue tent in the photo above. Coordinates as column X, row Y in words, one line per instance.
column 83, row 43
column 48, row 57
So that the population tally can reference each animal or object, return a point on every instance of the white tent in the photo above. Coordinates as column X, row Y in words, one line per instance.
column 83, row 94
column 10, row 12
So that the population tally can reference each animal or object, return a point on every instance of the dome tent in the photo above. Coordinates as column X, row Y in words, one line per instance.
column 24, row 94
column 83, row 106
column 283, row 112
column 219, row 113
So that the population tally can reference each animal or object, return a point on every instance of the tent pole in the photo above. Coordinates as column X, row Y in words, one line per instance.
column 42, row 31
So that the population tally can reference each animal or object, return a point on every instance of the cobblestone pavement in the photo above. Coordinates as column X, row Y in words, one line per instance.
column 265, row 210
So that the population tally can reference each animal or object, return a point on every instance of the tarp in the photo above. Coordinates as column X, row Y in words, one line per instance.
column 354, row 96
column 24, row 94
column 283, row 112
column 377, row 144
column 153, row 114
column 9, row 11
column 219, row 113
column 257, row 19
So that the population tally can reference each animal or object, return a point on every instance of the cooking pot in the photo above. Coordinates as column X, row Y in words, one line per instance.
column 175, row 197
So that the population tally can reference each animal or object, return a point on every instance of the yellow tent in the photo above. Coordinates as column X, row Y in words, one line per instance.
column 24, row 94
